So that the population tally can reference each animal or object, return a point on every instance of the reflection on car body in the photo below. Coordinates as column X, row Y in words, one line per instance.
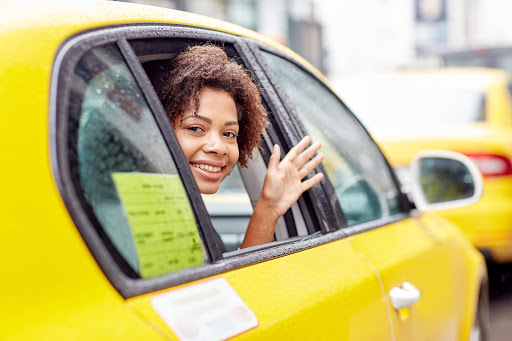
column 105, row 226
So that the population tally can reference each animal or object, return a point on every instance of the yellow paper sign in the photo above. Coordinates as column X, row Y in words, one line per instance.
column 161, row 222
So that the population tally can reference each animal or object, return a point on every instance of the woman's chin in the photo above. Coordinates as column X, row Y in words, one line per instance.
column 208, row 188
column 208, row 183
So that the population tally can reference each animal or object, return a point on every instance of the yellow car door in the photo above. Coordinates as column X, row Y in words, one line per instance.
column 430, row 274
column 130, row 192
column 425, row 262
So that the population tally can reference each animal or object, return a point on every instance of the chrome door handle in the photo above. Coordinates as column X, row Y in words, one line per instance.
column 404, row 295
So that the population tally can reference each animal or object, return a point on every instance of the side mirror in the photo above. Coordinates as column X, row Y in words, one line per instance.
column 443, row 180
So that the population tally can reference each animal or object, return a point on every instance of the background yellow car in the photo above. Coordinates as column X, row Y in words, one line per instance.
column 468, row 110
column 105, row 235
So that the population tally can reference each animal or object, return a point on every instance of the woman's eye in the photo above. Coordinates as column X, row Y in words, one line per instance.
column 230, row 134
column 195, row 129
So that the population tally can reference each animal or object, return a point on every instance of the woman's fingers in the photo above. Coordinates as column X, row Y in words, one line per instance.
column 310, row 165
column 307, row 154
column 307, row 184
column 297, row 149
column 275, row 157
column 299, row 157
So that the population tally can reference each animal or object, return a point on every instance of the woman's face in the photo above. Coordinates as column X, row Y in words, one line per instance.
column 209, row 138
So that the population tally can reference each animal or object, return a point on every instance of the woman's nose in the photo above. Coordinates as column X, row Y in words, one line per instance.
column 214, row 144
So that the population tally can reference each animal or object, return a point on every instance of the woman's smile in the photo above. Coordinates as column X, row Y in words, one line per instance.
column 207, row 168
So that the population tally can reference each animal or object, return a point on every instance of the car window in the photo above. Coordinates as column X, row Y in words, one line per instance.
column 230, row 209
column 357, row 169
column 125, row 171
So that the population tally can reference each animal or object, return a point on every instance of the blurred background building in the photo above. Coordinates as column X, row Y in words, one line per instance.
column 347, row 37
column 291, row 22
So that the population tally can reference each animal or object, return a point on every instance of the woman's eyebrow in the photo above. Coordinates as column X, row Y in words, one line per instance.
column 204, row 118
column 208, row 120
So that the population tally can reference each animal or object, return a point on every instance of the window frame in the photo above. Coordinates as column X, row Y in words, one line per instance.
column 405, row 204
column 128, row 285
column 319, row 196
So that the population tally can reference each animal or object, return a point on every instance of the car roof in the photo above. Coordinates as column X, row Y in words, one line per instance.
column 34, row 30
column 56, row 20
column 77, row 15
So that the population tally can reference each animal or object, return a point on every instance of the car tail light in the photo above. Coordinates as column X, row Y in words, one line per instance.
column 492, row 164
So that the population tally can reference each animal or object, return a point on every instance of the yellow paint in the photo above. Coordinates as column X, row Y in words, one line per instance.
column 404, row 314
column 430, row 253
column 324, row 293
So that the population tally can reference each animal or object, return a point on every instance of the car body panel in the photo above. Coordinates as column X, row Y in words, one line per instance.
column 429, row 258
column 347, row 292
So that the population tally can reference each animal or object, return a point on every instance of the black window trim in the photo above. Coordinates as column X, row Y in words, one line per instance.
column 66, row 58
column 406, row 205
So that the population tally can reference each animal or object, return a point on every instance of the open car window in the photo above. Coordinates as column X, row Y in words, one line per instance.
column 230, row 209
column 127, row 180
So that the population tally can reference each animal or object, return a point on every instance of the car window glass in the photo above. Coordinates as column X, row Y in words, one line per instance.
column 125, row 171
column 360, row 175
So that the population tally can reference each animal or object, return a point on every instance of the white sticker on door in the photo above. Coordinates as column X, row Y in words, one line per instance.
column 211, row 310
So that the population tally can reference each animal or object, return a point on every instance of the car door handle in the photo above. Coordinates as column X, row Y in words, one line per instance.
column 404, row 295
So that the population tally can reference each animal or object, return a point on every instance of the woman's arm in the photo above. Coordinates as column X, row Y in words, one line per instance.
column 282, row 187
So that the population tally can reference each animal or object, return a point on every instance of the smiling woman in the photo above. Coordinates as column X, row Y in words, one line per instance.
column 218, row 118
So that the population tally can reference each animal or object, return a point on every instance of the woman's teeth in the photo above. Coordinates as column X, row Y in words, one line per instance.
column 207, row 168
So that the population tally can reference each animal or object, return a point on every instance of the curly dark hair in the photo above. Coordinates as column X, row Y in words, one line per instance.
column 180, row 82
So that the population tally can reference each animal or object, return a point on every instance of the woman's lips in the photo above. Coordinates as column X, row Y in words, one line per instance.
column 207, row 171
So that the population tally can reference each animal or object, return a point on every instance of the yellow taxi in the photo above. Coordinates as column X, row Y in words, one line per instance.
column 468, row 110
column 105, row 235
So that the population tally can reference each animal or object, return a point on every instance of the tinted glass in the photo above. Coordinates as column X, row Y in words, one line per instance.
column 125, row 171
column 354, row 164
